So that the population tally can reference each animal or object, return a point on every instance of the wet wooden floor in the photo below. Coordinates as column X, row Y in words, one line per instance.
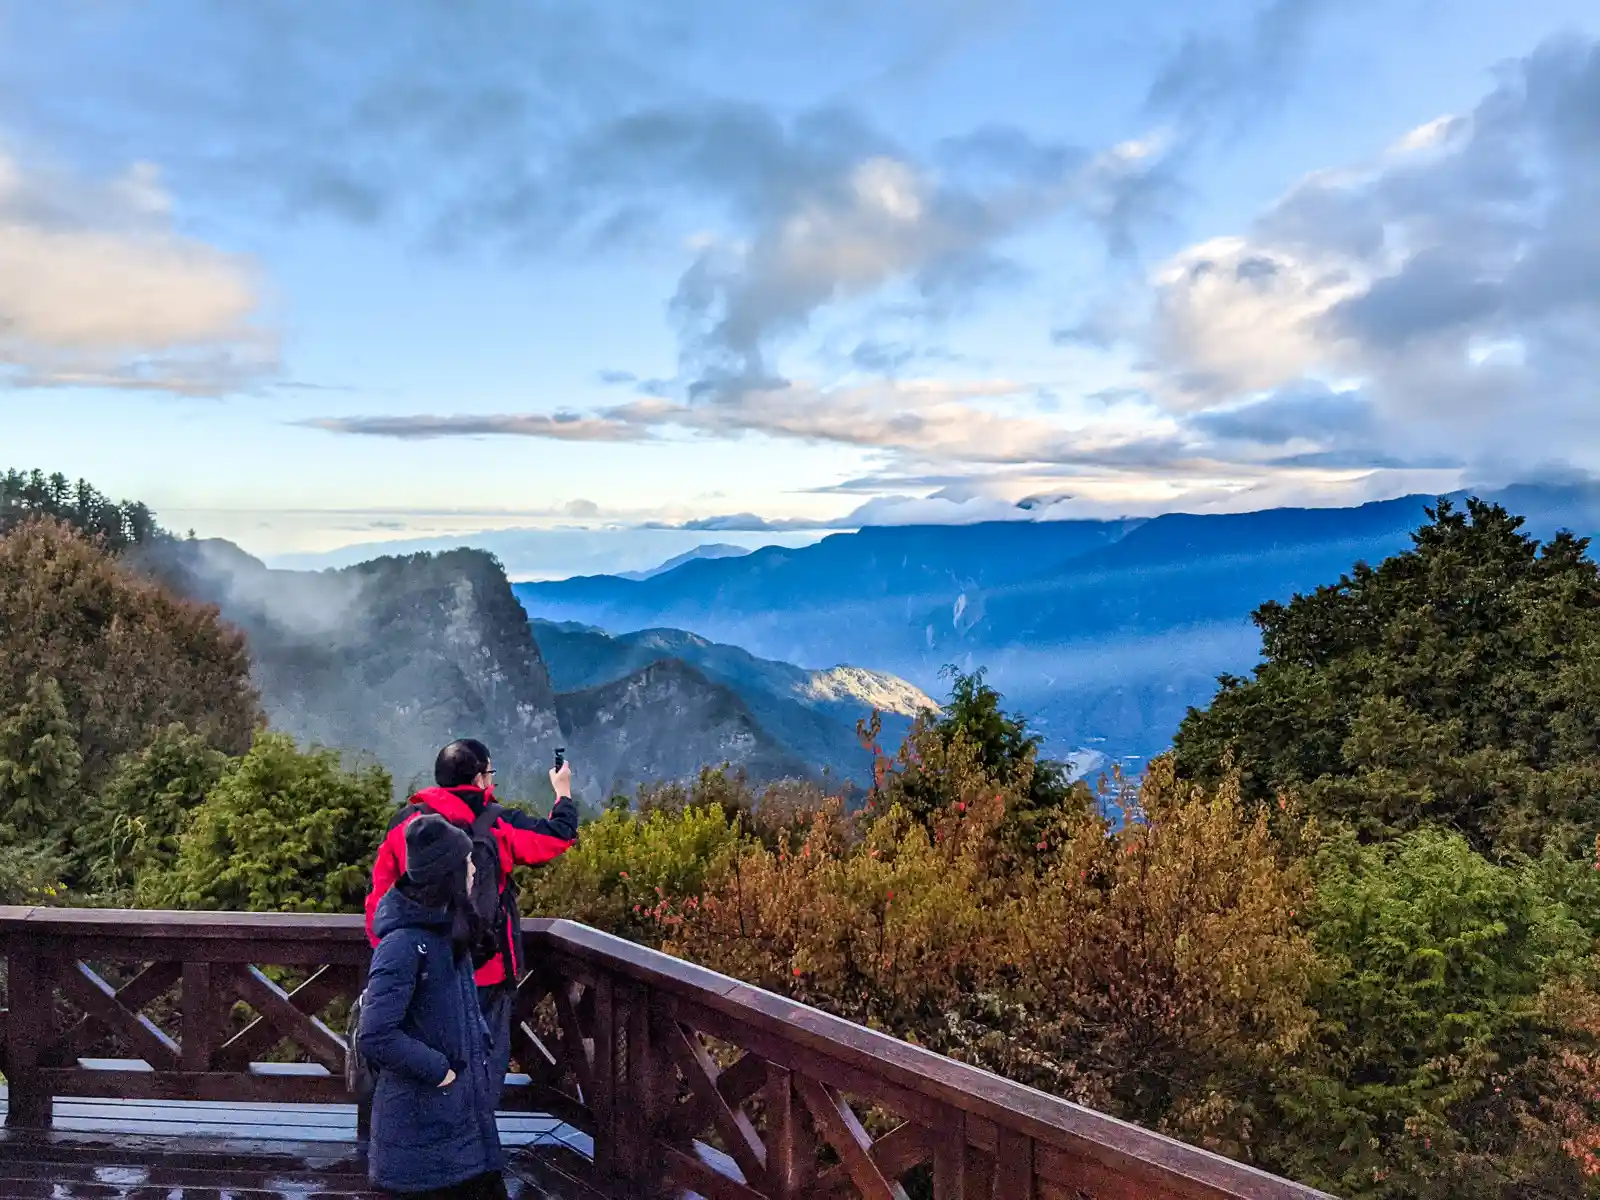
column 171, row 1150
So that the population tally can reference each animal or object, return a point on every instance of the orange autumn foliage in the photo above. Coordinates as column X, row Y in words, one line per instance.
column 1156, row 972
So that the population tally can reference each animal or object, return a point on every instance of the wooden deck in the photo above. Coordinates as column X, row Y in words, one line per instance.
column 195, row 1054
column 199, row 1150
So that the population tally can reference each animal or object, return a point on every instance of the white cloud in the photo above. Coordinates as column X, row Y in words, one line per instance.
column 1235, row 317
column 98, row 289
column 908, row 421
column 1428, row 136
column 1455, row 282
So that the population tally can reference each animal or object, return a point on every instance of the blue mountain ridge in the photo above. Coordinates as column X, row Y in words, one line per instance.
column 1103, row 632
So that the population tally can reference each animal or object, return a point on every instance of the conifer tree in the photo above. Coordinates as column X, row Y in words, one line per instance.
column 39, row 763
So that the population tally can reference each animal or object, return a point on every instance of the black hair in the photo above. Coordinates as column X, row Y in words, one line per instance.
column 460, row 763
column 449, row 893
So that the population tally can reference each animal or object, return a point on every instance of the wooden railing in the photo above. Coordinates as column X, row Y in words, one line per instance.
column 686, row 1080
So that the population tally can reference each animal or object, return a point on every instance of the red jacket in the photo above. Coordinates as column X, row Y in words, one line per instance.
column 524, row 841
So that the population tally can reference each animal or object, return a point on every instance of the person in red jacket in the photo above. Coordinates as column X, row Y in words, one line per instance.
column 464, row 775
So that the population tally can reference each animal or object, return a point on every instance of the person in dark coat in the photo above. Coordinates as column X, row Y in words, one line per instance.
column 433, row 1124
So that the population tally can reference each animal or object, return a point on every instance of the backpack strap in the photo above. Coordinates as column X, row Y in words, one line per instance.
column 483, row 824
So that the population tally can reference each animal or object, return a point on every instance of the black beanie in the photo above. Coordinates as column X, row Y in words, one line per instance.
column 435, row 850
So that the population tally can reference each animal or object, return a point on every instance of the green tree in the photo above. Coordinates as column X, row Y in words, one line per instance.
column 1435, row 1024
column 970, row 740
column 39, row 764
column 134, row 824
column 785, row 806
column 116, row 526
column 282, row 831
column 624, row 866
column 31, row 873
column 129, row 658
column 1457, row 683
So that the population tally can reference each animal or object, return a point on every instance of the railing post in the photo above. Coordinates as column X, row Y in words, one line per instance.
column 634, row 1109
column 950, row 1158
column 30, row 1001
column 202, row 1019
column 603, row 1104
column 792, row 1165
column 1013, row 1167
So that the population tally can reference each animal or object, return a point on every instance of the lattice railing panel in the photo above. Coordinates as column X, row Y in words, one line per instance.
column 687, row 1080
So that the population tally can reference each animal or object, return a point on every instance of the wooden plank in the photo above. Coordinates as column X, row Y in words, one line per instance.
column 261, row 1035
column 978, row 1176
column 950, row 1160
column 737, row 1132
column 273, row 1003
column 895, row 1153
column 149, row 984
column 603, row 1102
column 907, row 1079
column 99, row 999
column 735, row 1084
column 536, row 1098
column 982, row 1133
column 645, row 1103
column 575, row 1050
column 178, row 1085
column 775, row 1048
column 528, row 1049
column 888, row 1070
column 1060, row 1172
column 145, row 924
column 842, row 1129
column 202, row 1016
column 277, row 951
column 695, row 1175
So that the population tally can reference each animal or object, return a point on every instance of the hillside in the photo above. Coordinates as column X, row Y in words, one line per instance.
column 1105, row 632
column 397, row 656
column 811, row 713
column 394, row 657
column 662, row 722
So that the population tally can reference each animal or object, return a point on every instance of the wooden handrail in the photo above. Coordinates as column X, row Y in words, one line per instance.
column 686, row 1079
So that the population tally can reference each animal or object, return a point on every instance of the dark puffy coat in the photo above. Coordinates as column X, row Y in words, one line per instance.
column 421, row 1020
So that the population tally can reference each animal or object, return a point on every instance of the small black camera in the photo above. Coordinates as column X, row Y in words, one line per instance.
column 561, row 755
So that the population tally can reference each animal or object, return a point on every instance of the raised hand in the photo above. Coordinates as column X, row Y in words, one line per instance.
column 561, row 781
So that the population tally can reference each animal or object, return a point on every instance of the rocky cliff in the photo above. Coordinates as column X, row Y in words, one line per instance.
column 812, row 714
column 665, row 721
column 393, row 658
column 397, row 656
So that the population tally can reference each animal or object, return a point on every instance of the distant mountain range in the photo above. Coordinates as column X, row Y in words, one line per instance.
column 396, row 656
column 1104, row 632
column 709, row 550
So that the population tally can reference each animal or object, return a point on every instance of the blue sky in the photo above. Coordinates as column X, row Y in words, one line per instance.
column 317, row 274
